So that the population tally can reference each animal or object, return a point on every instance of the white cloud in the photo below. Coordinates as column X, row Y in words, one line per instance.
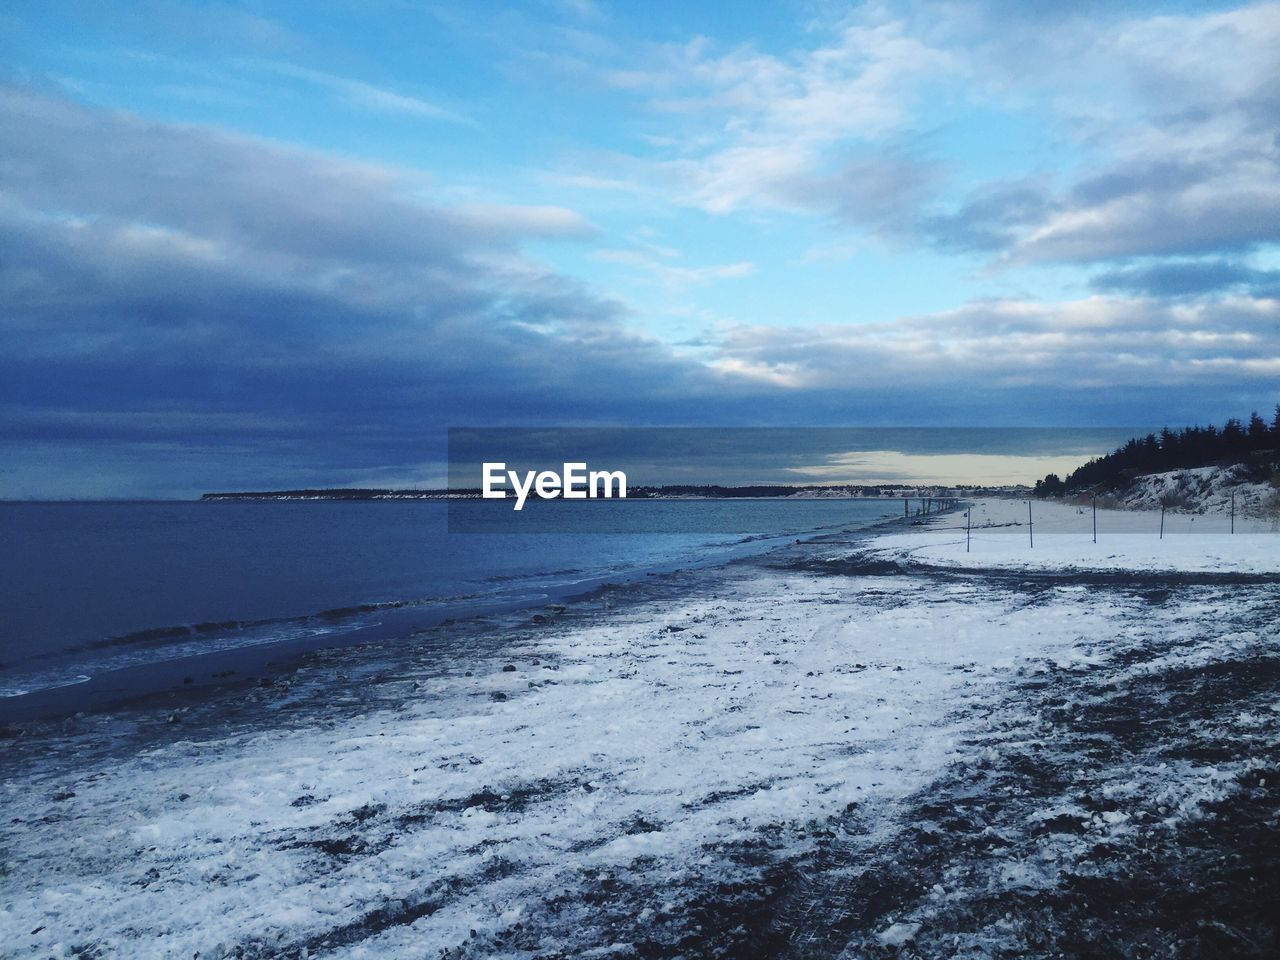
column 749, row 129
column 1167, row 126
column 1178, row 117
column 366, row 95
column 787, row 375
column 673, row 276
column 1098, row 342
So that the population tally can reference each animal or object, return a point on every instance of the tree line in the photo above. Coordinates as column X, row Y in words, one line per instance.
column 1236, row 441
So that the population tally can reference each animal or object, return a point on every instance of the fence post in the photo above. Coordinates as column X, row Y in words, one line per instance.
column 968, row 523
column 1233, row 511
column 1095, row 518
column 1031, row 527
column 1162, row 521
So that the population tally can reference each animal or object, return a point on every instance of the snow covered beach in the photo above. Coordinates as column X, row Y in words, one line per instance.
column 881, row 747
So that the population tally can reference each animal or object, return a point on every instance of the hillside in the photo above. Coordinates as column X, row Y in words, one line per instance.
column 1195, row 469
column 1203, row 490
column 1254, row 443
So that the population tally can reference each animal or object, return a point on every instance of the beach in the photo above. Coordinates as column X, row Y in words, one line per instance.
column 874, row 746
column 584, row 480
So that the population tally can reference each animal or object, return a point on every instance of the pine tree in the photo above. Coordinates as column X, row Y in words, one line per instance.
column 1177, row 449
column 1257, row 431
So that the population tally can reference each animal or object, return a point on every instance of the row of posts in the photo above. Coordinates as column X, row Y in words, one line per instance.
column 1031, row 536
column 928, row 505
column 1031, row 527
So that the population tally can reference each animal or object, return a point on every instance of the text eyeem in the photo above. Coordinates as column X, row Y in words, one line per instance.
column 573, row 483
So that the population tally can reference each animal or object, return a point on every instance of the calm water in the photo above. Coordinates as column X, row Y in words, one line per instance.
column 92, row 587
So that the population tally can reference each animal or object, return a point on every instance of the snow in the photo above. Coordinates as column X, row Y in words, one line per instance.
column 1202, row 490
column 656, row 749
column 898, row 934
column 1061, row 538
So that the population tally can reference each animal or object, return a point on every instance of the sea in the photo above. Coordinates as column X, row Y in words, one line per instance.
column 127, row 597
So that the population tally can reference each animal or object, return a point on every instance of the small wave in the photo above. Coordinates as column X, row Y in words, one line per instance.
column 535, row 575
column 186, row 631
column 208, row 629
column 7, row 692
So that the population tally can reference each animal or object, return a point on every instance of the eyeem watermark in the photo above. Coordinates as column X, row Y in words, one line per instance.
column 574, row 482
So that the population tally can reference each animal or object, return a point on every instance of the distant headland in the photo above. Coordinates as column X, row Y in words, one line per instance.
column 667, row 492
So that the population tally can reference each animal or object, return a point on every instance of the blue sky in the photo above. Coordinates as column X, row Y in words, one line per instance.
column 270, row 244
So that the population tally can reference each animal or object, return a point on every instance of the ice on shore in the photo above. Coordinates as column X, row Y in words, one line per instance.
column 1057, row 536
column 720, row 750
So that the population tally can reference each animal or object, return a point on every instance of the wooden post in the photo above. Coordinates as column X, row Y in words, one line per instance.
column 1162, row 521
column 968, row 524
column 1031, row 527
column 1233, row 511
column 1095, row 518
column 906, row 507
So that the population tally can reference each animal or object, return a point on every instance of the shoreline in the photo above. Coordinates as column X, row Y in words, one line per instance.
column 182, row 678
column 786, row 756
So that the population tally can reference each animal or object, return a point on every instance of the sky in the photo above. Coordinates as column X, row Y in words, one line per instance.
column 263, row 245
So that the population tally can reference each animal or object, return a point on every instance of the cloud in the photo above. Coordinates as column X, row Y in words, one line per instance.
column 366, row 95
column 755, row 130
column 1177, row 117
column 1232, row 206
column 189, row 308
column 1180, row 278
column 276, row 311
column 675, row 277
column 187, row 25
column 243, row 194
column 990, row 219
column 1110, row 344
column 870, row 189
column 1166, row 128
